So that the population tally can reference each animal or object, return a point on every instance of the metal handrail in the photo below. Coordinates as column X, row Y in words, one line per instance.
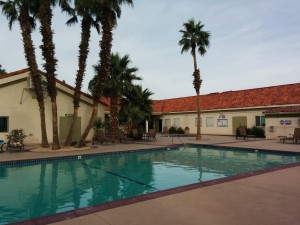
column 176, row 135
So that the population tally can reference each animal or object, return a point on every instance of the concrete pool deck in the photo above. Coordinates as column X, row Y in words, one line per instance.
column 268, row 198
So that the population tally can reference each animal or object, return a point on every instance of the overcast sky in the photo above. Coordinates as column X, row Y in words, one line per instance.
column 253, row 44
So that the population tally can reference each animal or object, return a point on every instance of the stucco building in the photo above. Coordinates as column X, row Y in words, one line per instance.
column 276, row 109
column 19, row 108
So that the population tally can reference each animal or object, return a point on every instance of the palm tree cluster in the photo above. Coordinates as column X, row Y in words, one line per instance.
column 92, row 13
column 128, row 101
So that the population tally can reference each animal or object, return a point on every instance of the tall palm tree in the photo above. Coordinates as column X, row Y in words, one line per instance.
column 87, row 10
column 193, row 36
column 21, row 10
column 110, row 11
column 48, row 51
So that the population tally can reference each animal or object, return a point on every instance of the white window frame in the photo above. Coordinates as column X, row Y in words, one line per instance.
column 167, row 122
column 209, row 122
column 222, row 122
column 176, row 122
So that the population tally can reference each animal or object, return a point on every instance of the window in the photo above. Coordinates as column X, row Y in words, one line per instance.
column 209, row 121
column 196, row 119
column 260, row 121
column 176, row 122
column 167, row 122
column 3, row 124
column 222, row 123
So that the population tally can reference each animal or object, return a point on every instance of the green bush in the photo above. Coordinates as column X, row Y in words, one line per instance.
column 257, row 131
column 98, row 124
column 172, row 130
column 179, row 130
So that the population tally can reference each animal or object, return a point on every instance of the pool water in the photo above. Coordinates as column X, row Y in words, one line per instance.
column 31, row 191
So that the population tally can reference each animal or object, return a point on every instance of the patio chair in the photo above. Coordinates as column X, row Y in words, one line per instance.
column 121, row 136
column 136, row 134
column 151, row 134
column 294, row 138
column 101, row 137
column 11, row 145
column 242, row 132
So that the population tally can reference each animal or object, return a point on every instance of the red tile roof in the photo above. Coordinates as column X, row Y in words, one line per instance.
column 287, row 109
column 269, row 96
column 18, row 72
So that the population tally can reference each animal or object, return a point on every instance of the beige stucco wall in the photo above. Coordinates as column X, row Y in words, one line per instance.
column 278, row 127
column 19, row 104
column 188, row 119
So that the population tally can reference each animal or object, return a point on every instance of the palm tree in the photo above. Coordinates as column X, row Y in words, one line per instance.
column 110, row 11
column 193, row 36
column 136, row 106
column 48, row 52
column 87, row 10
column 119, row 81
column 2, row 71
column 132, row 116
column 20, row 10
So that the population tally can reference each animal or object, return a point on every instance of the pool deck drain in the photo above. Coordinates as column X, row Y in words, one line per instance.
column 268, row 198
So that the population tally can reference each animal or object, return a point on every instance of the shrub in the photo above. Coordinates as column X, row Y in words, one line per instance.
column 179, row 130
column 172, row 130
column 257, row 131
column 16, row 135
column 98, row 124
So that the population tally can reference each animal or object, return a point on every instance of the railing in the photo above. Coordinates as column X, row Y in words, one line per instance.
column 178, row 137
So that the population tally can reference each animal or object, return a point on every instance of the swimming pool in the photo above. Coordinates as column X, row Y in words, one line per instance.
column 44, row 187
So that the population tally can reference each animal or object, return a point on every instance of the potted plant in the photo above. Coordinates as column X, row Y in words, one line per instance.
column 15, row 139
column 186, row 130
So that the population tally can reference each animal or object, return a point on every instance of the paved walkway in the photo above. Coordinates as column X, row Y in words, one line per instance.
column 269, row 198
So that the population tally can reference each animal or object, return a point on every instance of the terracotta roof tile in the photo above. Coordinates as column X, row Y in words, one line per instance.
column 287, row 109
column 268, row 96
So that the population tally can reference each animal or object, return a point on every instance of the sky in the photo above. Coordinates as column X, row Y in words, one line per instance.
column 253, row 44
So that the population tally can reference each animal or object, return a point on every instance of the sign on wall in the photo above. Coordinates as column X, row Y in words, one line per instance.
column 285, row 122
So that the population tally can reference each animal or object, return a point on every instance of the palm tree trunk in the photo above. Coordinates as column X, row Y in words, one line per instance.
column 45, row 143
column 103, row 71
column 31, row 62
column 89, row 125
column 83, row 54
column 48, row 52
column 72, row 127
column 197, row 84
column 114, row 118
column 198, row 137
column 55, row 144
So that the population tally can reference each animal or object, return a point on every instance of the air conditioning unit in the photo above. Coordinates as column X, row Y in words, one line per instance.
column 29, row 82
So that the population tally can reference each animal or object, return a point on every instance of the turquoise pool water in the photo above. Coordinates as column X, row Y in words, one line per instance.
column 35, row 190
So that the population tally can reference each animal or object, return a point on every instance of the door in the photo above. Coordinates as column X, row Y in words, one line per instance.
column 238, row 122
column 64, row 126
